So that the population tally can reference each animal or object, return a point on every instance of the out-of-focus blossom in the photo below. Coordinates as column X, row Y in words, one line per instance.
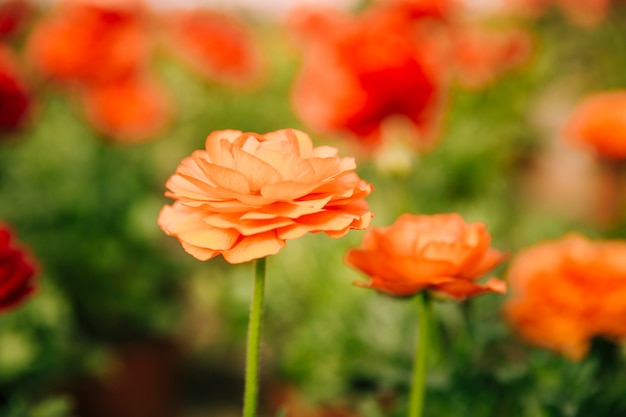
column 395, row 60
column 372, row 66
column 481, row 54
column 567, row 291
column 246, row 194
column 13, row 13
column 586, row 13
column 215, row 44
column 440, row 253
column 88, row 42
column 128, row 110
column 15, row 100
column 599, row 122
column 17, row 272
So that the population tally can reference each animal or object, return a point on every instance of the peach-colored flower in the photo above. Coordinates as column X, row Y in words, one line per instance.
column 362, row 70
column 129, row 110
column 438, row 252
column 567, row 291
column 17, row 272
column 247, row 193
column 599, row 122
column 215, row 44
column 90, row 42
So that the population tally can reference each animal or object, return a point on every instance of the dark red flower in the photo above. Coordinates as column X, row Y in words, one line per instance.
column 14, row 96
column 13, row 13
column 17, row 272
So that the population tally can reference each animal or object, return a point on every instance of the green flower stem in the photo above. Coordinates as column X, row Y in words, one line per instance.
column 416, row 399
column 254, row 338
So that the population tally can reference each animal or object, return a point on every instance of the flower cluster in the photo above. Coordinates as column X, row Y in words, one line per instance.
column 396, row 59
column 104, row 51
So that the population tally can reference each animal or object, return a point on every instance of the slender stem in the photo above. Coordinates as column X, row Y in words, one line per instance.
column 416, row 399
column 254, row 339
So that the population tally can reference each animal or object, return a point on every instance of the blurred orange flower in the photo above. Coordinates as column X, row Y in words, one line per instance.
column 91, row 42
column 567, row 291
column 17, row 272
column 128, row 110
column 363, row 69
column 247, row 193
column 582, row 12
column 15, row 99
column 481, row 54
column 419, row 252
column 599, row 122
column 215, row 44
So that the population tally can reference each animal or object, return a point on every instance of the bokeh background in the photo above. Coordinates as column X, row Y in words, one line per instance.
column 125, row 323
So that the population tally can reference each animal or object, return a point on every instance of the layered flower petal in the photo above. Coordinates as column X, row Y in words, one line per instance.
column 568, row 291
column 440, row 253
column 246, row 194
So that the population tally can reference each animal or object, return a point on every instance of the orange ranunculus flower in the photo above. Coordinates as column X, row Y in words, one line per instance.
column 215, row 44
column 581, row 12
column 129, row 110
column 85, row 41
column 364, row 69
column 439, row 252
column 247, row 193
column 567, row 291
column 17, row 272
column 599, row 122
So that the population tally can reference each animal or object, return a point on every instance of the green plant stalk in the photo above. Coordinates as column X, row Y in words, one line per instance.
column 416, row 398
column 251, row 390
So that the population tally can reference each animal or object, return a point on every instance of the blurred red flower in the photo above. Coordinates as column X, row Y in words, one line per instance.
column 215, row 44
column 130, row 110
column 370, row 67
column 392, row 62
column 17, row 272
column 599, row 122
column 15, row 100
column 439, row 252
column 84, row 41
column 13, row 13
column 247, row 193
column 567, row 291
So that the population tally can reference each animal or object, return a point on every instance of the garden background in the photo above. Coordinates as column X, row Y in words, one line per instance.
column 125, row 323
